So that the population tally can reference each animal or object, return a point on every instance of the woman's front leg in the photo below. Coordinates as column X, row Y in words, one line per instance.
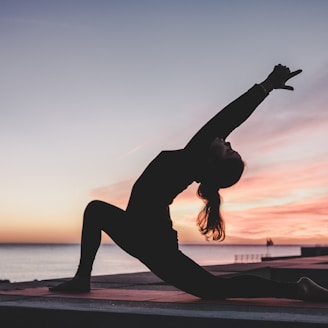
column 98, row 216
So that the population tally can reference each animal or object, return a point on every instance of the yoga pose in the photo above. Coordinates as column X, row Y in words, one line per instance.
column 144, row 229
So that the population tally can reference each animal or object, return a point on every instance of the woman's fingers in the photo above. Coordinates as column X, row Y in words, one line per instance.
column 292, row 74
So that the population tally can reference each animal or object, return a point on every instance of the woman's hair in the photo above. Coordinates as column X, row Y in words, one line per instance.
column 210, row 220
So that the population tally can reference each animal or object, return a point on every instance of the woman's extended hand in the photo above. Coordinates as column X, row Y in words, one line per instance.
column 278, row 77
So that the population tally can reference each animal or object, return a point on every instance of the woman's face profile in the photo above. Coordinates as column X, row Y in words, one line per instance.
column 221, row 150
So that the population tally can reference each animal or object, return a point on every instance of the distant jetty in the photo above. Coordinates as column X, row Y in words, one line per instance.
column 309, row 251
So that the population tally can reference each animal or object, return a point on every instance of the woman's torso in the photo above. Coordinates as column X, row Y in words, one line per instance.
column 163, row 179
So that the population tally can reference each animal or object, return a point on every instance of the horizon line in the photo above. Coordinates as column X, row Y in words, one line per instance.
column 181, row 244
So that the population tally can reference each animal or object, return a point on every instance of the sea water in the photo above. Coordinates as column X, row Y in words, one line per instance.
column 28, row 262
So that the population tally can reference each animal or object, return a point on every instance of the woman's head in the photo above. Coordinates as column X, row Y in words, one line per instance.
column 225, row 166
column 223, row 169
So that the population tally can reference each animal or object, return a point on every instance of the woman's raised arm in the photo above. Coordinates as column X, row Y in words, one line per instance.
column 238, row 111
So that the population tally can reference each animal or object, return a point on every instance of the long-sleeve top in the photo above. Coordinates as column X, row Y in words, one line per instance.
column 173, row 171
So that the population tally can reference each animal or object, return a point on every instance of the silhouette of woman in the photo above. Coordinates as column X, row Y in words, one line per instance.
column 144, row 230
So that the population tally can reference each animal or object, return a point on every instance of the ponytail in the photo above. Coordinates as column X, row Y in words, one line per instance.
column 209, row 220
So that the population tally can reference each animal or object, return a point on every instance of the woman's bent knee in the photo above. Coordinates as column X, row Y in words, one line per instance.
column 92, row 208
column 99, row 210
column 94, row 205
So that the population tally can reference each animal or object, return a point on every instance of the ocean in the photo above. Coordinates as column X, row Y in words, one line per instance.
column 28, row 262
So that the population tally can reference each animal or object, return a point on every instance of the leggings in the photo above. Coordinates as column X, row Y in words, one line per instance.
column 168, row 262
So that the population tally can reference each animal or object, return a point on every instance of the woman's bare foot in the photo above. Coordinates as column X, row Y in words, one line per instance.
column 76, row 285
column 308, row 290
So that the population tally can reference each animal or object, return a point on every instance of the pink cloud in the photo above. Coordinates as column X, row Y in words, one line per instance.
column 116, row 194
column 279, row 180
column 301, row 220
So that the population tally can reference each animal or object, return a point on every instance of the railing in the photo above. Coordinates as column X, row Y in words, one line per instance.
column 250, row 258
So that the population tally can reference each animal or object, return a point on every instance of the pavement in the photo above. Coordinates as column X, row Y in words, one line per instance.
column 143, row 300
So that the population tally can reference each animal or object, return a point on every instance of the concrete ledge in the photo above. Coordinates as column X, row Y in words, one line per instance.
column 99, row 314
column 143, row 300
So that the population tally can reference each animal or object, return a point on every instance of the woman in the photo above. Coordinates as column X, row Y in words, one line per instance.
column 144, row 229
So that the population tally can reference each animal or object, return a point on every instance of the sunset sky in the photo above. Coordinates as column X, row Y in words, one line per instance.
column 92, row 91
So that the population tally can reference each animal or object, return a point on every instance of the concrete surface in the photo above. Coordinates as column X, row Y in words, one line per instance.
column 143, row 300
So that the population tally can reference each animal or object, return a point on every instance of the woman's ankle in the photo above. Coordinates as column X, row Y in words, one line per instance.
column 82, row 277
column 75, row 285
